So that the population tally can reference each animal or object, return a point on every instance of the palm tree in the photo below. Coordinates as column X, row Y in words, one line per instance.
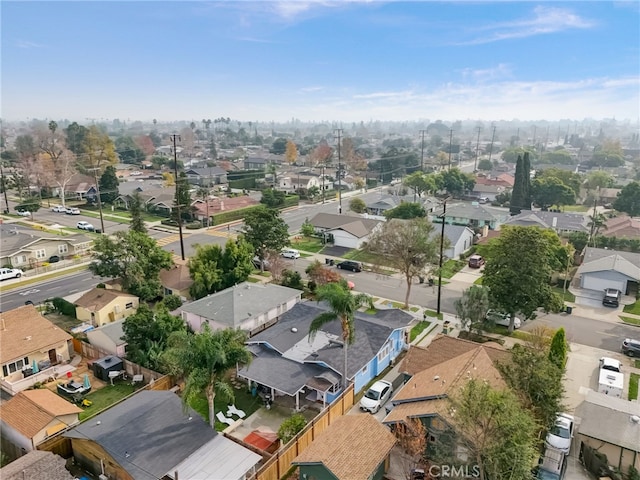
column 203, row 359
column 344, row 306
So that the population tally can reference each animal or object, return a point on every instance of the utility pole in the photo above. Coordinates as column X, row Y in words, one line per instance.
column 444, row 215
column 95, row 176
column 175, row 170
column 4, row 188
column 475, row 164
column 493, row 136
column 323, row 183
column 450, row 140
column 422, row 132
column 338, row 133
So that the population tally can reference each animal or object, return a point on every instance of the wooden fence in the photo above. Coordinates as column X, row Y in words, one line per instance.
column 281, row 462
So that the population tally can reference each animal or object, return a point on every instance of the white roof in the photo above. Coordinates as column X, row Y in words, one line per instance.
column 613, row 262
column 221, row 458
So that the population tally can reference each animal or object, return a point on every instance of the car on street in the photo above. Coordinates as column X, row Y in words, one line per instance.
column 500, row 318
column 54, row 259
column 611, row 297
column 631, row 347
column 375, row 398
column 85, row 226
column 73, row 211
column 7, row 273
column 24, row 213
column 257, row 263
column 561, row 434
column 350, row 265
column 58, row 209
column 290, row 253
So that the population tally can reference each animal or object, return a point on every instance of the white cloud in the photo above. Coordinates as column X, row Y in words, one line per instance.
column 311, row 89
column 28, row 44
column 501, row 71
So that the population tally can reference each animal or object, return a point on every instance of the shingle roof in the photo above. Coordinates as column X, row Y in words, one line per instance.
column 562, row 221
column 37, row 465
column 614, row 263
column 205, row 172
column 24, row 331
column 609, row 419
column 235, row 304
column 114, row 331
column 423, row 408
column 176, row 278
column 473, row 212
column 32, row 410
column 97, row 298
column 591, row 254
column 352, row 447
column 444, row 348
column 14, row 238
column 148, row 434
column 357, row 226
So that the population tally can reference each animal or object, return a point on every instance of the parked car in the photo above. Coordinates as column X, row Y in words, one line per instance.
column 136, row 173
column 7, row 273
column 631, row 347
column 500, row 318
column 350, row 265
column 54, row 259
column 256, row 263
column 73, row 211
column 476, row 261
column 611, row 297
column 611, row 364
column 85, row 226
column 24, row 213
column 560, row 435
column 376, row 396
column 58, row 209
column 290, row 253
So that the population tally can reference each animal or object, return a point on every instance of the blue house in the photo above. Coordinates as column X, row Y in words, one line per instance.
column 288, row 362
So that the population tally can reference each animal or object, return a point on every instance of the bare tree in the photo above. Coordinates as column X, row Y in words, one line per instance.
column 56, row 160
column 277, row 264
column 412, row 440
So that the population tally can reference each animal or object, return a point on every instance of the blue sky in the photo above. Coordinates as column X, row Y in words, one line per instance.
column 321, row 60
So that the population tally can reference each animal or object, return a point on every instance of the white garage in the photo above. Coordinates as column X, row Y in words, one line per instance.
column 612, row 271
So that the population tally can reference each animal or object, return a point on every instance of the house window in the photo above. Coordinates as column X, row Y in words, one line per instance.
column 63, row 248
column 384, row 352
column 364, row 369
column 15, row 366
column 41, row 253
column 129, row 305
column 19, row 259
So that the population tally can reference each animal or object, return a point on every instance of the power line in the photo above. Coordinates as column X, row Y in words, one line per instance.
column 175, row 166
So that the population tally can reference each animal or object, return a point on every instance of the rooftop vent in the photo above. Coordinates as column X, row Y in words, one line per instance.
column 436, row 378
column 635, row 419
column 294, row 330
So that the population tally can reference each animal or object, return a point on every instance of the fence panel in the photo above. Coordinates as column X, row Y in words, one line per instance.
column 59, row 445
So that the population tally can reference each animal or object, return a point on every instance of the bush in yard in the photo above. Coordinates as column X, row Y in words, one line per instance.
column 64, row 307
column 291, row 426
column 292, row 279
column 172, row 302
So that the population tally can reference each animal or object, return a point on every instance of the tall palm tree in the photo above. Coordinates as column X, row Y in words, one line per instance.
column 344, row 306
column 204, row 359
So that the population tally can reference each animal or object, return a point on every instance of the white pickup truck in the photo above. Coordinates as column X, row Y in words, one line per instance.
column 610, row 377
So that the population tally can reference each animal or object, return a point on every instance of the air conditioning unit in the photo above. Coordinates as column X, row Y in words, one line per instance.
column 103, row 477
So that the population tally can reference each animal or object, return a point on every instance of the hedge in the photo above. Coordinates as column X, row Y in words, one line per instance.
column 220, row 218
column 243, row 184
column 291, row 201
column 64, row 307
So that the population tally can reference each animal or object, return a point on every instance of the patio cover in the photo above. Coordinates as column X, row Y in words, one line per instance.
column 263, row 440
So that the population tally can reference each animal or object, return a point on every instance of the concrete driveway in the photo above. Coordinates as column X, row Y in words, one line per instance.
column 467, row 275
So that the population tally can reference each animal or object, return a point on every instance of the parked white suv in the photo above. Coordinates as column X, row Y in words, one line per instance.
column 85, row 226
column 376, row 396
column 503, row 319
column 560, row 435
column 290, row 253
column 58, row 209
column 7, row 273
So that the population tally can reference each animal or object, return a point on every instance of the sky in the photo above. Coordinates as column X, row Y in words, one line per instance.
column 318, row 60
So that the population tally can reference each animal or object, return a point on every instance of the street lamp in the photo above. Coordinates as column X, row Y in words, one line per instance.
column 443, row 217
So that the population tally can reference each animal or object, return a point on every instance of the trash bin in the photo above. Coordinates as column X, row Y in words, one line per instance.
column 421, row 279
column 568, row 309
column 326, row 261
column 331, row 262
column 97, row 230
column 431, row 282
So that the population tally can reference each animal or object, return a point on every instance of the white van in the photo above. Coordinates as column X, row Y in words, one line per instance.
column 290, row 253
column 503, row 319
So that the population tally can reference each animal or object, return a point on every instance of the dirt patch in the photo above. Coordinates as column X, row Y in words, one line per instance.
column 65, row 322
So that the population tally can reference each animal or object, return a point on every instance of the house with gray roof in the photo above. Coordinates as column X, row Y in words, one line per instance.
column 460, row 239
column 472, row 215
column 558, row 221
column 602, row 268
column 381, row 205
column 206, row 177
column 24, row 247
column 251, row 307
column 347, row 231
column 612, row 427
column 155, row 197
column 109, row 338
column 37, row 464
column 150, row 435
column 289, row 362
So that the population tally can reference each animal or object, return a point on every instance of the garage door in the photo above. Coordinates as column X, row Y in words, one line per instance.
column 594, row 283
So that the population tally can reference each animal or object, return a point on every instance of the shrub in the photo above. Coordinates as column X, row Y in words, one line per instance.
column 291, row 426
column 170, row 222
column 193, row 225
column 64, row 307
column 292, row 279
column 172, row 302
column 101, row 285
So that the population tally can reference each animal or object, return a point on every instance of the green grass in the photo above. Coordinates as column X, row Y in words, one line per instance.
column 431, row 313
column 568, row 296
column 253, row 280
column 308, row 244
column 576, row 208
column 478, row 281
column 636, row 363
column 633, row 386
column 414, row 309
column 451, row 267
column 105, row 397
column 629, row 320
column 418, row 329
column 633, row 308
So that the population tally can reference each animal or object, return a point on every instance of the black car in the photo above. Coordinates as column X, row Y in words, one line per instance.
column 631, row 347
column 350, row 265
column 611, row 297
column 54, row 259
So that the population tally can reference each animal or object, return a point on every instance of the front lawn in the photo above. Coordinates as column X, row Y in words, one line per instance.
column 568, row 296
column 307, row 244
column 451, row 267
column 418, row 329
column 107, row 396
column 629, row 320
column 633, row 308
column 633, row 386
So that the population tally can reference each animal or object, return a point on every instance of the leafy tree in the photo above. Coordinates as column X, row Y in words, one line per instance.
column 75, row 137
column 485, row 164
column 272, row 198
column 146, row 333
column 537, row 381
column 203, row 360
column 109, row 185
column 265, row 230
column 307, row 229
column 578, row 240
column 499, row 435
column 205, row 269
column 503, row 198
column 292, row 279
column 128, row 151
column 558, row 349
column 407, row 246
column 547, row 192
column 510, row 155
column 472, row 308
column 406, row 211
column 313, row 192
column 343, row 307
column 237, row 262
column 135, row 209
column 134, row 257
column 171, row 302
column 517, row 272
column 291, row 152
column 455, row 182
column 182, row 197
column 279, row 146
column 420, row 183
column 526, row 181
column 31, row 206
column 558, row 157
column 357, row 205
column 291, row 427
column 517, row 203
column 321, row 275
column 98, row 150
column 570, row 179
column 628, row 200
column 597, row 222
column 598, row 179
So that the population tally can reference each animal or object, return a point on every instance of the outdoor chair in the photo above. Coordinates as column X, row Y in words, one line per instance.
column 222, row 419
column 234, row 411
